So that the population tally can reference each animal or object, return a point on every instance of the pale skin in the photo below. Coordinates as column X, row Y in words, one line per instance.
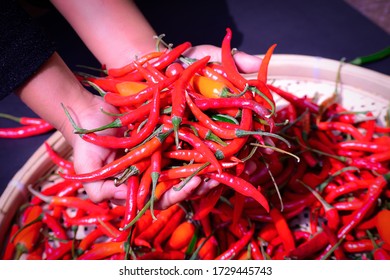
column 116, row 32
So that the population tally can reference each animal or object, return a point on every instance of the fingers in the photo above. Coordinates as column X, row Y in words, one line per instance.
column 246, row 63
column 105, row 190
column 205, row 186
column 173, row 196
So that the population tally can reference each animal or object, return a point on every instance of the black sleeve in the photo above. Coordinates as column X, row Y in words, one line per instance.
column 23, row 47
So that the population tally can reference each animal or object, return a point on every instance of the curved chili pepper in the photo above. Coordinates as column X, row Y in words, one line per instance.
column 60, row 251
column 228, row 63
column 382, row 225
column 109, row 141
column 88, row 240
column 358, row 215
column 118, row 165
column 207, row 203
column 309, row 248
column 58, row 160
column 181, row 236
column 55, row 226
column 301, row 103
column 178, row 94
column 118, row 72
column 25, row 239
column 73, row 201
column 185, row 155
column 145, row 237
column 102, row 250
column 190, row 169
column 342, row 127
column 206, row 248
column 283, row 229
column 235, row 102
column 139, row 98
column 149, row 73
column 331, row 211
column 25, row 131
column 240, row 185
column 236, row 247
column 23, row 120
column 168, row 229
column 9, row 250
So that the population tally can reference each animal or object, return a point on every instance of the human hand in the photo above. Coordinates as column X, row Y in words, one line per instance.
column 246, row 63
column 88, row 157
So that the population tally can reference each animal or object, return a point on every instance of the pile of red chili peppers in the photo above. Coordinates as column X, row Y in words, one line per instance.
column 317, row 188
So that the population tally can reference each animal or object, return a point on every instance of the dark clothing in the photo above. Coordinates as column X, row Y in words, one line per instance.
column 23, row 47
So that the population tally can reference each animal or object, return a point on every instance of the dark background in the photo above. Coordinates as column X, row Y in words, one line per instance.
column 330, row 29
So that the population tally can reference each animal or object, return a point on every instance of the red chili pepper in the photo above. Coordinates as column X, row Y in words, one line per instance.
column 9, row 250
column 333, row 240
column 212, row 74
column 131, row 206
column 174, row 69
column 59, row 160
column 55, row 226
column 283, row 229
column 191, row 169
column 88, row 240
column 342, row 127
column 235, row 102
column 359, row 214
column 236, row 247
column 118, row 165
column 144, row 188
column 208, row 250
column 383, row 225
column 71, row 202
column 241, row 186
column 149, row 73
column 109, row 141
column 168, row 229
column 102, row 250
column 301, row 103
column 309, row 248
column 178, row 94
column 139, row 98
column 145, row 237
column 185, row 155
column 200, row 146
column 25, row 239
column 60, row 251
column 117, row 72
column 331, row 212
column 23, row 120
column 25, row 131
column 207, row 203
column 228, row 63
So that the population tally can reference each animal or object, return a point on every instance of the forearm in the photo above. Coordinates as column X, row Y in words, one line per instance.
column 114, row 30
column 54, row 84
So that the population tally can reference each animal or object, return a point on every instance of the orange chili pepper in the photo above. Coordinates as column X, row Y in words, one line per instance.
column 208, row 87
column 130, row 88
column 26, row 238
column 182, row 236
